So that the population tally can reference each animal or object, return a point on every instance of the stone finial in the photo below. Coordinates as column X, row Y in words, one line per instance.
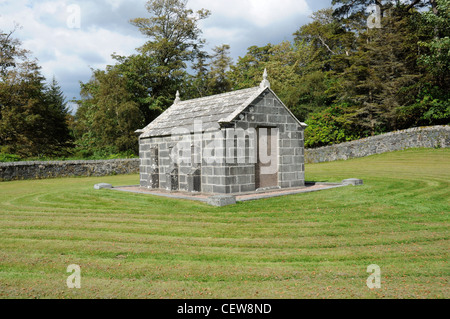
column 177, row 98
column 265, row 83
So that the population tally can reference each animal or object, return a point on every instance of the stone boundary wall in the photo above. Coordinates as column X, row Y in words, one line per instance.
column 419, row 137
column 422, row 137
column 41, row 170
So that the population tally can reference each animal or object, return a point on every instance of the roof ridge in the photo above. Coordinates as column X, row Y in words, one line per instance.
column 218, row 95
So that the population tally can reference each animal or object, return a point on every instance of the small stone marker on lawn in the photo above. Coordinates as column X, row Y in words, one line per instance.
column 352, row 181
column 222, row 200
column 102, row 185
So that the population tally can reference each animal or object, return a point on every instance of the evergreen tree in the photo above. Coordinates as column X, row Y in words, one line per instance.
column 200, row 80
column 432, row 104
column 57, row 117
column 32, row 118
column 221, row 63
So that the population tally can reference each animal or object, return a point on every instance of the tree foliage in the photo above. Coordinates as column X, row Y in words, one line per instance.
column 174, row 40
column 341, row 75
column 127, row 96
column 33, row 115
column 107, row 116
column 221, row 62
column 393, row 77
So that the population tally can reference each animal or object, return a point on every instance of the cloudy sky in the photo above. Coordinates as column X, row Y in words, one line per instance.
column 69, row 37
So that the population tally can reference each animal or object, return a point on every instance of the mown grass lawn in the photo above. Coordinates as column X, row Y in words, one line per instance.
column 314, row 245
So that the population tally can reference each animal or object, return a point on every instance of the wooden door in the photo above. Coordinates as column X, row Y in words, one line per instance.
column 267, row 164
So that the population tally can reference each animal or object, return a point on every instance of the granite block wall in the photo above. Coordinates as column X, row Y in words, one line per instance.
column 419, row 137
column 219, row 175
column 56, row 169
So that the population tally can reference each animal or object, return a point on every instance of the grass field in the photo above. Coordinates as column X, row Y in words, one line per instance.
column 314, row 245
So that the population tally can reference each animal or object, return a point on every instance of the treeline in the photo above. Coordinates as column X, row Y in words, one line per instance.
column 346, row 75
column 34, row 118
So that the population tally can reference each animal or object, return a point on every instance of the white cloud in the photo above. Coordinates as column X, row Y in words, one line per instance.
column 115, row 4
column 69, row 53
column 64, row 52
column 243, row 23
column 260, row 13
column 230, row 34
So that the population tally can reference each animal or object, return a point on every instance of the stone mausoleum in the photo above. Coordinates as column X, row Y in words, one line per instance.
column 231, row 143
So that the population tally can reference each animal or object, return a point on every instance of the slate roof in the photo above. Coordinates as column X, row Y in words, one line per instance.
column 211, row 110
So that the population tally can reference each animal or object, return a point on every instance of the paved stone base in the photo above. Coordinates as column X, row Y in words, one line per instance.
column 221, row 200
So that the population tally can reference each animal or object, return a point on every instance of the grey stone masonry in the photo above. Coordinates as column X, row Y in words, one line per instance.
column 56, row 169
column 235, row 142
column 221, row 200
column 220, row 168
column 268, row 111
column 419, row 137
